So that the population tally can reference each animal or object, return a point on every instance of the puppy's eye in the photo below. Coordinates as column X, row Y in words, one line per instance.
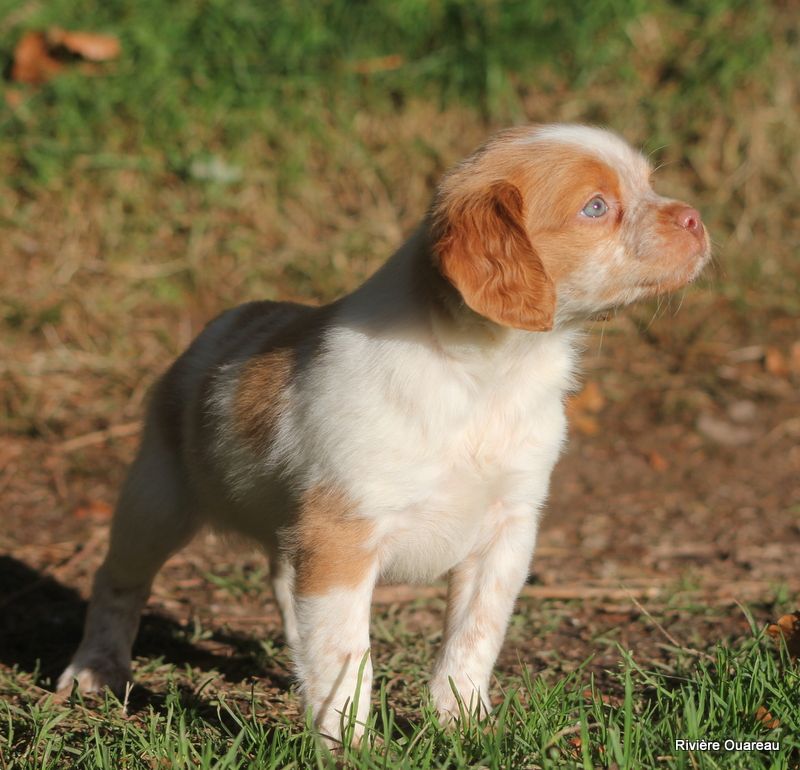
column 596, row 207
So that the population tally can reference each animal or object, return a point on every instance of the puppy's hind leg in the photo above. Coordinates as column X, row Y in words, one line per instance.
column 152, row 520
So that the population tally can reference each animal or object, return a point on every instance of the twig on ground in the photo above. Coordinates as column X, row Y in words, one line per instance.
column 407, row 593
column 670, row 638
column 100, row 436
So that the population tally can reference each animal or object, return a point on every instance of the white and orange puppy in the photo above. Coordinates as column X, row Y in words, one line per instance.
column 406, row 430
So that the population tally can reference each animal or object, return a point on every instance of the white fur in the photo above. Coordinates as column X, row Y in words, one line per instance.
column 605, row 144
column 333, row 657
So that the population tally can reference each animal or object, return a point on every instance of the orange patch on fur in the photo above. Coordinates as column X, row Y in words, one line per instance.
column 484, row 251
column 561, row 183
column 259, row 395
column 330, row 545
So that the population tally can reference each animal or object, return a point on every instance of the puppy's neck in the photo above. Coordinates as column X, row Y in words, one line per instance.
column 409, row 295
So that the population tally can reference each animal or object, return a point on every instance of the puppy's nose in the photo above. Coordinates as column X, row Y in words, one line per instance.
column 688, row 218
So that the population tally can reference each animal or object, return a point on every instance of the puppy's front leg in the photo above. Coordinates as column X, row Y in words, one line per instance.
column 481, row 594
column 336, row 570
column 332, row 657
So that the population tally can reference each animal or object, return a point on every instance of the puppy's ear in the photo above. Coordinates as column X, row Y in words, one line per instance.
column 483, row 249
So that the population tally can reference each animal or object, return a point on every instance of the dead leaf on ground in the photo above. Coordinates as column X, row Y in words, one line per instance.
column 766, row 718
column 775, row 363
column 582, row 407
column 788, row 627
column 608, row 700
column 657, row 461
column 93, row 509
column 590, row 399
column 585, row 424
column 88, row 45
column 576, row 744
column 33, row 60
column 39, row 56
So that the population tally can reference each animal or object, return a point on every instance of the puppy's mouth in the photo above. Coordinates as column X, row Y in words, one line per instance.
column 677, row 279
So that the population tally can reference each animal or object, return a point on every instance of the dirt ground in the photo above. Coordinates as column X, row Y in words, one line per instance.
column 675, row 508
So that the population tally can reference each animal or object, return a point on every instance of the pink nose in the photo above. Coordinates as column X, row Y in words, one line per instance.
column 689, row 219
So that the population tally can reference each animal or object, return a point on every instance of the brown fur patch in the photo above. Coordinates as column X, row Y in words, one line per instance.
column 285, row 336
column 330, row 544
column 259, row 396
column 557, row 188
column 484, row 251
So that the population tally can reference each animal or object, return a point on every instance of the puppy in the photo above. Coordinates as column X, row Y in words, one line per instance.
column 406, row 430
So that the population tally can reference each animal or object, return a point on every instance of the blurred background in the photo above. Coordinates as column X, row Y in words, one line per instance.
column 163, row 161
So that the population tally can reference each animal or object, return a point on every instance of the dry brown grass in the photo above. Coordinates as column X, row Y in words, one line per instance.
column 109, row 273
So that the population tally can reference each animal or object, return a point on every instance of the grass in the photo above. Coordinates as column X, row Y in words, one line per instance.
column 214, row 73
column 282, row 150
column 568, row 723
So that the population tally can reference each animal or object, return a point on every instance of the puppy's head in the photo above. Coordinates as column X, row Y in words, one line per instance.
column 553, row 223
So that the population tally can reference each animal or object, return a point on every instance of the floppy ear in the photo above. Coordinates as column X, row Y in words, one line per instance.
column 484, row 251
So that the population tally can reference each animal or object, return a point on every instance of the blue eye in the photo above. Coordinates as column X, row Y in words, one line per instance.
column 596, row 207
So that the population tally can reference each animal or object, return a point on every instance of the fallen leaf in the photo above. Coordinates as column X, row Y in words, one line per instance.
column 788, row 628
column 93, row 509
column 585, row 424
column 33, row 60
column 769, row 721
column 657, row 461
column 608, row 700
column 775, row 363
column 582, row 406
column 40, row 55
column 590, row 399
column 88, row 45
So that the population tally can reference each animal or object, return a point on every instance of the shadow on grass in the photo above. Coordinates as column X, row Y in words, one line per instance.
column 41, row 621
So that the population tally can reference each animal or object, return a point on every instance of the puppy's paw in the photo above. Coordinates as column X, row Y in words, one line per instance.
column 469, row 703
column 94, row 676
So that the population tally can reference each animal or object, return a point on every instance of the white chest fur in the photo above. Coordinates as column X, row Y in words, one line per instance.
column 431, row 441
